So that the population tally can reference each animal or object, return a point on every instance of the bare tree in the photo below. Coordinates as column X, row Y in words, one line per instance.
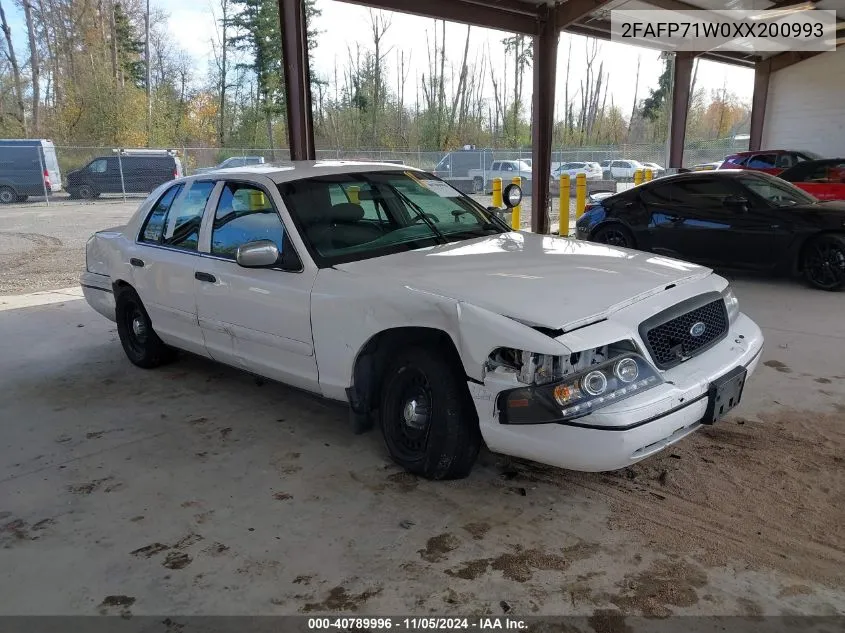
column 379, row 25
column 34, row 68
column 16, row 72
column 636, row 88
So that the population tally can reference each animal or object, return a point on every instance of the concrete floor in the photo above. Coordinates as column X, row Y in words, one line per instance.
column 195, row 489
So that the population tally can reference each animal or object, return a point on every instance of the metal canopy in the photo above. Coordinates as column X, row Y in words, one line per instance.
column 543, row 20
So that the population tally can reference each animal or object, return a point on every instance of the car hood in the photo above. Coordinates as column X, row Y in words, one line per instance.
column 539, row 280
column 834, row 207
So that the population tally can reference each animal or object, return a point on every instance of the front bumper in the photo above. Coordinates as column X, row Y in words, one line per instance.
column 625, row 433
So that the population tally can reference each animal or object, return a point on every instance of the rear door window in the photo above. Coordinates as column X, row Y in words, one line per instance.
column 154, row 226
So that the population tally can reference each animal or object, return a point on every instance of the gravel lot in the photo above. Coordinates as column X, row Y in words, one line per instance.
column 43, row 247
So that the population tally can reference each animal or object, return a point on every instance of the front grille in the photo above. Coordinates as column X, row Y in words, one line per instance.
column 671, row 335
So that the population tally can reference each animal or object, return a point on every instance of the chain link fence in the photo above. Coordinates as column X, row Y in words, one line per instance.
column 37, row 171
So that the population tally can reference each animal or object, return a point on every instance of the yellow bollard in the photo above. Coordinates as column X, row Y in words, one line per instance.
column 648, row 175
column 564, row 186
column 638, row 176
column 352, row 194
column 515, row 220
column 580, row 194
column 563, row 203
column 497, row 193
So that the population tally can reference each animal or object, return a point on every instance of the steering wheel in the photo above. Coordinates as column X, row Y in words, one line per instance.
column 430, row 216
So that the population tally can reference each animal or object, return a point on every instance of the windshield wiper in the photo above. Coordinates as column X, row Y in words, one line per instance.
column 421, row 214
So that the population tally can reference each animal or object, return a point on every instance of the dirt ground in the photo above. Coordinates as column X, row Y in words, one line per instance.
column 197, row 489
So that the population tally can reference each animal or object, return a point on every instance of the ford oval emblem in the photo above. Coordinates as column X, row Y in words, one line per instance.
column 698, row 328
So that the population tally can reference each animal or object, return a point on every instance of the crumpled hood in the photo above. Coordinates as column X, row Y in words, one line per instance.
column 537, row 279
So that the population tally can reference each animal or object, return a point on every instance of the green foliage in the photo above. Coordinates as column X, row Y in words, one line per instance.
column 657, row 97
column 130, row 49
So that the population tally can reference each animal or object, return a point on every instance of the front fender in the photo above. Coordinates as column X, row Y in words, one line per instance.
column 348, row 310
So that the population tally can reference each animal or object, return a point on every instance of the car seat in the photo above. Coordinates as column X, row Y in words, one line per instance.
column 340, row 227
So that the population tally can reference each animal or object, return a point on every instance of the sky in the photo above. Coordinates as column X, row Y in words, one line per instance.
column 342, row 25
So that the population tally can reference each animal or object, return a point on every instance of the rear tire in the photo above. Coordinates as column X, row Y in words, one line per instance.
column 142, row 345
column 428, row 420
column 8, row 195
column 614, row 235
column 477, row 185
column 823, row 262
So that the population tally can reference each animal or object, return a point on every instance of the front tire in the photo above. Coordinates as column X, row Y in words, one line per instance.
column 614, row 235
column 8, row 195
column 823, row 262
column 429, row 424
column 142, row 345
column 85, row 192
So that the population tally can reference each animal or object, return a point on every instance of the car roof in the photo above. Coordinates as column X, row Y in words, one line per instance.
column 297, row 170
column 764, row 151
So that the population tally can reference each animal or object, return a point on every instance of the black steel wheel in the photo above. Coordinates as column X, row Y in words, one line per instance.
column 614, row 235
column 824, row 262
column 429, row 424
column 142, row 345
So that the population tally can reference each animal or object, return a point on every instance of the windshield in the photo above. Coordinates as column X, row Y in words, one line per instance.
column 776, row 191
column 350, row 217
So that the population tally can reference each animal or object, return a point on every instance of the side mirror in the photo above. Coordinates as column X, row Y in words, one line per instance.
column 258, row 254
column 739, row 203
column 512, row 195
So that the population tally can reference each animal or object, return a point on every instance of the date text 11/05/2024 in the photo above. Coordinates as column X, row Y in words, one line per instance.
column 416, row 624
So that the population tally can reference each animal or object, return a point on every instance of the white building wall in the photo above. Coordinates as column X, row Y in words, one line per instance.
column 806, row 106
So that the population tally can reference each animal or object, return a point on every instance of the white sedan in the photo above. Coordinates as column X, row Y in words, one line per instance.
column 592, row 171
column 383, row 287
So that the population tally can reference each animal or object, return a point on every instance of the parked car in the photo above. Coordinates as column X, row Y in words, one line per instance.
column 455, row 166
column 824, row 179
column 731, row 218
column 771, row 161
column 426, row 314
column 28, row 167
column 656, row 170
column 593, row 171
column 621, row 169
column 234, row 161
column 130, row 171
column 706, row 166
column 482, row 179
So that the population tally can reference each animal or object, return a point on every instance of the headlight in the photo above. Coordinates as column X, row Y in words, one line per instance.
column 731, row 303
column 579, row 394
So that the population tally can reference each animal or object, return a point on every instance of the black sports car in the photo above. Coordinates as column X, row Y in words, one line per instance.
column 731, row 219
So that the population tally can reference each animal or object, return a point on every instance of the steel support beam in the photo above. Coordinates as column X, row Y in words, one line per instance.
column 542, row 125
column 681, row 78
column 762, row 72
column 573, row 10
column 511, row 16
column 297, row 79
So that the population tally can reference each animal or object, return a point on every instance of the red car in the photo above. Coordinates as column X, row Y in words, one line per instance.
column 824, row 179
column 771, row 161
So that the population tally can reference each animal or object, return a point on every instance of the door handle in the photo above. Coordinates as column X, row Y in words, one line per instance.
column 136, row 262
column 205, row 277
